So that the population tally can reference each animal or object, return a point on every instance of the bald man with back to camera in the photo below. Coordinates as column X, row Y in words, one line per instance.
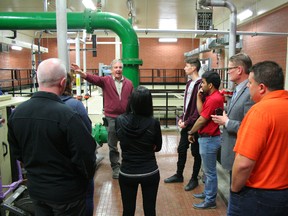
column 55, row 146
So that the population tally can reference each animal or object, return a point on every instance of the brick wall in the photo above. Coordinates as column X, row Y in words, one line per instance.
column 105, row 52
column 165, row 55
column 14, row 60
column 261, row 48
column 153, row 54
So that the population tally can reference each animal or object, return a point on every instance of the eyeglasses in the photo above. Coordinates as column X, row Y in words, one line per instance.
column 230, row 68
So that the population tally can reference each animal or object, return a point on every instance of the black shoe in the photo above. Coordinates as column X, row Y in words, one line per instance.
column 205, row 205
column 199, row 196
column 173, row 179
column 191, row 185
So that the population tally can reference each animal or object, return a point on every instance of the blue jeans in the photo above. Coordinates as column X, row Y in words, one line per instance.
column 258, row 202
column 208, row 147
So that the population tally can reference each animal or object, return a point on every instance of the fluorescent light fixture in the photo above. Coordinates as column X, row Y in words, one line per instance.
column 168, row 40
column 89, row 4
column 244, row 14
column 261, row 12
column 167, row 24
column 16, row 48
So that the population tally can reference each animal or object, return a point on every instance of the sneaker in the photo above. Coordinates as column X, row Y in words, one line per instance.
column 173, row 179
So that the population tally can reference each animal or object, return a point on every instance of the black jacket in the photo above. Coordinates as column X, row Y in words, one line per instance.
column 140, row 137
column 55, row 146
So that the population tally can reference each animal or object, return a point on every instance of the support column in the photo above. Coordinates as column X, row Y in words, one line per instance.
column 61, row 24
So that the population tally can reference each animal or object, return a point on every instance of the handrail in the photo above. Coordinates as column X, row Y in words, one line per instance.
column 148, row 76
column 167, row 92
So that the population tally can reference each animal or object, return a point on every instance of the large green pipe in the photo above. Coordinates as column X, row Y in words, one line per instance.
column 88, row 20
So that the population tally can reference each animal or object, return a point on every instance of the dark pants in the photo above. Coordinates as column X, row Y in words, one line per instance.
column 89, row 198
column 182, row 154
column 113, row 143
column 129, row 188
column 258, row 202
column 76, row 208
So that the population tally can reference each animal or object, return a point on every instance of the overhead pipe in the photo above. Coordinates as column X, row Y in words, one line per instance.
column 88, row 20
column 205, row 32
column 233, row 20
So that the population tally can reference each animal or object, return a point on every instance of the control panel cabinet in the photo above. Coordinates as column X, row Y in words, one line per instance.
column 6, row 102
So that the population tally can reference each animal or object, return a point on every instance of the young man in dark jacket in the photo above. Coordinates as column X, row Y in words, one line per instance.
column 186, row 121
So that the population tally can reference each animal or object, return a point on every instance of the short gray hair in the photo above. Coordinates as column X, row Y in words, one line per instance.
column 50, row 72
column 242, row 59
column 115, row 61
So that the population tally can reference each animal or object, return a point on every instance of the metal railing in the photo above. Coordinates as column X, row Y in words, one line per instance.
column 166, row 101
column 18, row 80
column 163, row 77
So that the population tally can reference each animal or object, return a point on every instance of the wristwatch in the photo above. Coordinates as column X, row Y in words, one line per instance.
column 189, row 133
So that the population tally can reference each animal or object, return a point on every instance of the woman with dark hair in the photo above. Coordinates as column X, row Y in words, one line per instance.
column 77, row 106
column 140, row 137
column 67, row 98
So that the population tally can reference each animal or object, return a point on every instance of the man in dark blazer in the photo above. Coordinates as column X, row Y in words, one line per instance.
column 237, row 107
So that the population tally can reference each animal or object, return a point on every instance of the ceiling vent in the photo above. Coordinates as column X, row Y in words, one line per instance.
column 204, row 21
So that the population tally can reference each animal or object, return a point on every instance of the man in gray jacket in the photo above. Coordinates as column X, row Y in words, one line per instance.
column 237, row 107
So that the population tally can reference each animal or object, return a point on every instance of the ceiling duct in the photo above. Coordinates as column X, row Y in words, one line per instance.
column 233, row 19
column 202, row 48
column 204, row 21
column 215, row 44
column 219, row 43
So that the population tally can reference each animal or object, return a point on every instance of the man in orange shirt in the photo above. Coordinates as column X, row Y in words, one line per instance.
column 259, row 176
